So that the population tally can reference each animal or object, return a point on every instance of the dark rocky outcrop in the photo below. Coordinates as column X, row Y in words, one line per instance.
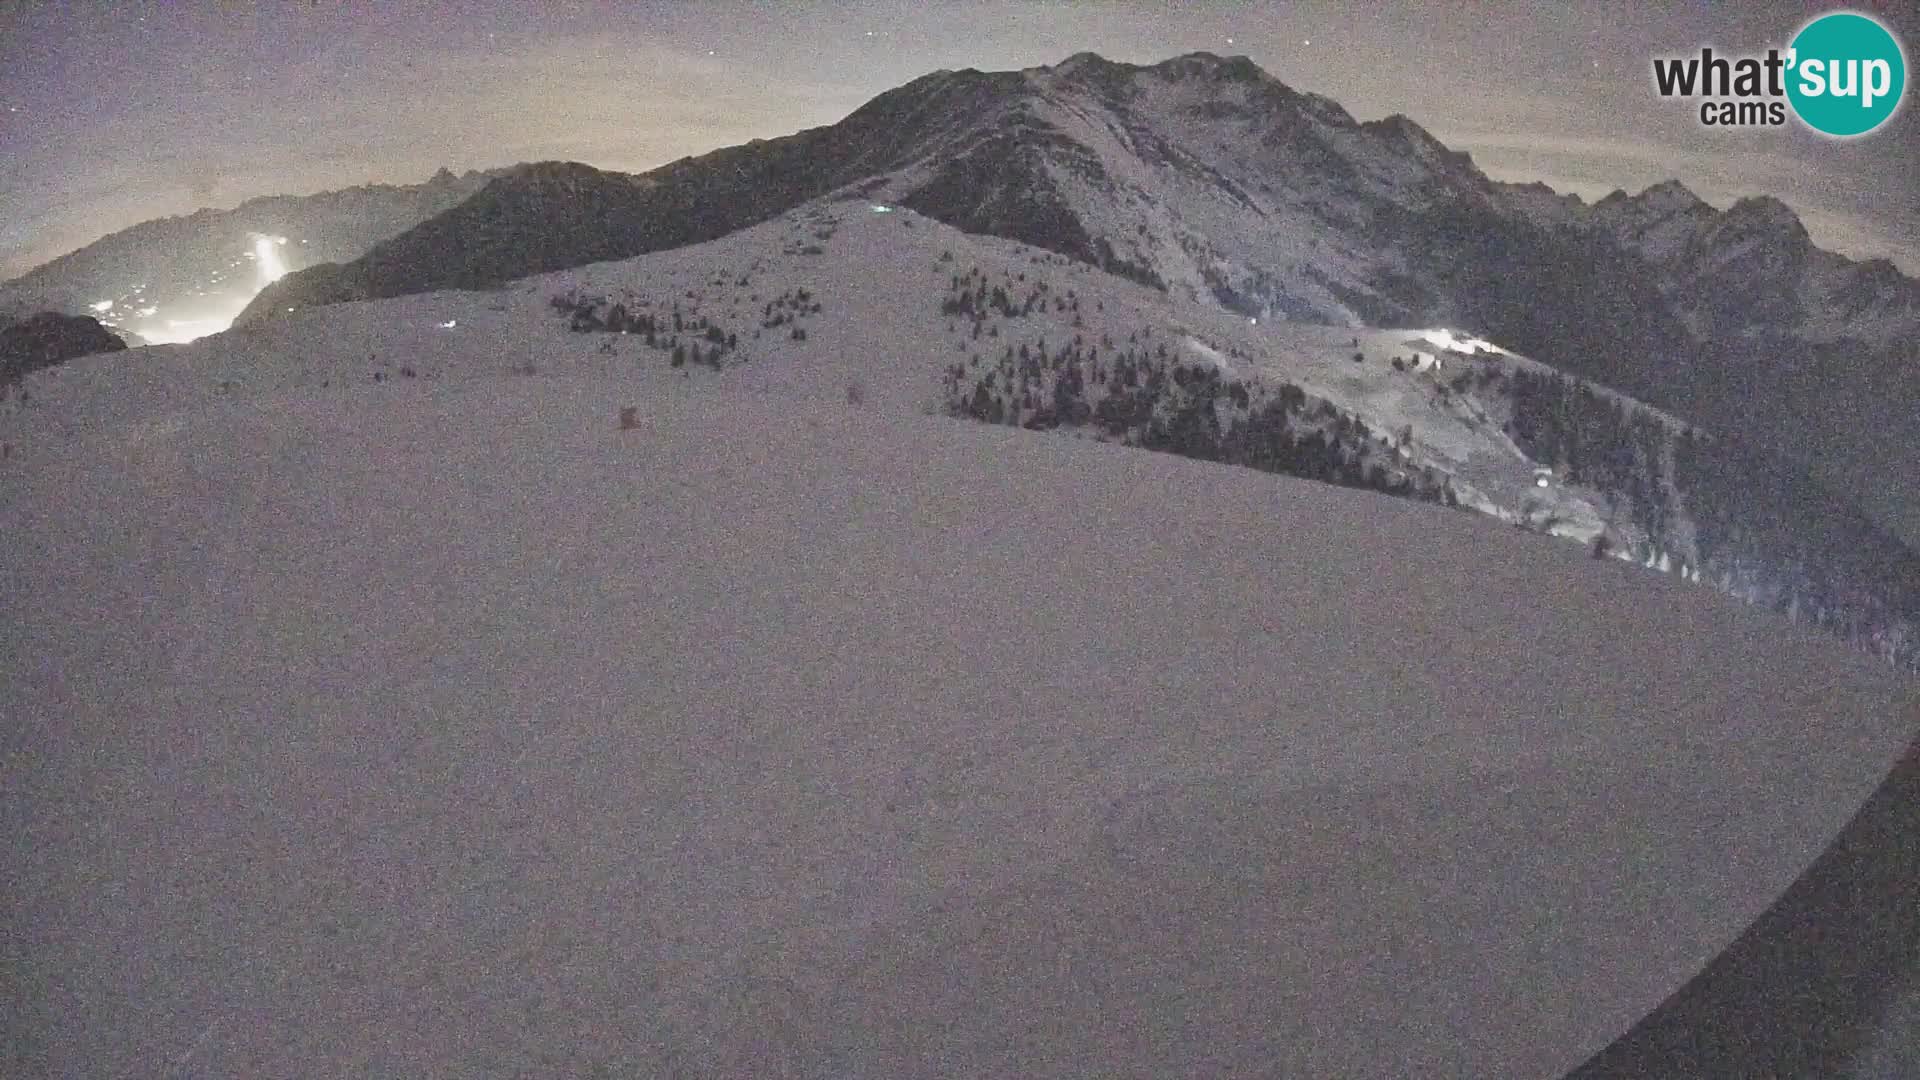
column 49, row 338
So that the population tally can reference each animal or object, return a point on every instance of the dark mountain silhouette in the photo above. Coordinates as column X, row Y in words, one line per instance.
column 46, row 339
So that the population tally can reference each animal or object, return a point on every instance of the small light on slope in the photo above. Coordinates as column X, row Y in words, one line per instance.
column 1447, row 339
column 101, row 305
column 448, row 325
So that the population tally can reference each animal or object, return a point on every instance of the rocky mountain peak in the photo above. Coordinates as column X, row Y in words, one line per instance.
column 1764, row 213
column 1658, row 203
column 1760, row 238
column 1409, row 137
column 1086, row 62
column 1211, row 66
column 557, row 172
column 1670, row 196
column 1218, row 85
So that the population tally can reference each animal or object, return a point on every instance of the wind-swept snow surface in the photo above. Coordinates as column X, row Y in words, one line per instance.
column 447, row 729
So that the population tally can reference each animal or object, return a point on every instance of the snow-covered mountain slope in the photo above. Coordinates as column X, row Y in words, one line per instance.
column 849, row 298
column 882, row 279
column 445, row 727
column 1207, row 177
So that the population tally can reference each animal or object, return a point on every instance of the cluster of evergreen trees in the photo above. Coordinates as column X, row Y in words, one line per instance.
column 1146, row 396
column 1741, row 518
column 1596, row 440
column 970, row 296
column 1768, row 531
column 824, row 228
column 1749, row 522
column 686, row 336
column 787, row 308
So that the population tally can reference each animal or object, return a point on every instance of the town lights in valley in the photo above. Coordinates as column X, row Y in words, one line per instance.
column 225, row 294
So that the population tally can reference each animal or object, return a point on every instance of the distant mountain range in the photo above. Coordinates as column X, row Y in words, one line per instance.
column 884, row 311
column 1206, row 177
column 1761, row 374
column 189, row 267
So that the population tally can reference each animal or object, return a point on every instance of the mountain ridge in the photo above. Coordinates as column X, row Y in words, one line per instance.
column 958, row 126
column 183, row 266
column 921, row 317
column 1217, row 186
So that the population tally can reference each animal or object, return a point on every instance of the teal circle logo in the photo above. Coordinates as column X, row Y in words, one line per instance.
column 1846, row 74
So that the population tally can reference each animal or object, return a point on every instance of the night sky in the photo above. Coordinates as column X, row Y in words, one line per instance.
column 112, row 113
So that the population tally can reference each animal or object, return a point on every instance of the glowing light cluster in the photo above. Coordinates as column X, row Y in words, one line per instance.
column 181, row 331
column 202, row 318
column 266, row 257
column 1447, row 339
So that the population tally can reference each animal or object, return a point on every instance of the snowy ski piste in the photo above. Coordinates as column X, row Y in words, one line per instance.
column 447, row 729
